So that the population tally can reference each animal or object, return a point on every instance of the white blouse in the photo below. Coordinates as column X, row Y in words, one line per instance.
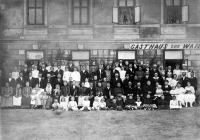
column 76, row 76
column 72, row 104
column 189, row 90
column 173, row 82
column 66, row 75
column 35, row 73
column 15, row 75
column 177, row 72
column 180, row 90
column 122, row 74
column 86, row 103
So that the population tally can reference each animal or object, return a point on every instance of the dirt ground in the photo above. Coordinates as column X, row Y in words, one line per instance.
column 103, row 125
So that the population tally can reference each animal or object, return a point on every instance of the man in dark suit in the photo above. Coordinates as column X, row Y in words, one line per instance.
column 58, row 81
column 21, row 80
column 131, row 72
column 43, row 71
column 194, row 82
column 31, row 80
column 40, row 81
column 74, row 91
column 153, row 71
column 25, row 72
column 145, row 79
column 113, row 72
column 91, row 91
column 100, row 73
column 116, row 80
column 11, row 81
column 71, row 66
column 107, row 92
column 184, row 80
column 59, row 71
column 84, row 74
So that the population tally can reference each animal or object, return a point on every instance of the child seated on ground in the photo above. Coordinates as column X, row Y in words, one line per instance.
column 158, row 94
column 138, row 103
column 175, row 104
column 96, row 105
column 102, row 104
column 72, row 106
column 162, row 104
column 55, row 105
column 148, row 103
column 109, row 101
column 86, row 104
column 113, row 105
column 64, row 103
column 130, row 103
column 120, row 102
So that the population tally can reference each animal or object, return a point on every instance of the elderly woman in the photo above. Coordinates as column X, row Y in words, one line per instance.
column 26, row 92
column 6, row 98
column 17, row 97
column 38, row 95
column 189, row 94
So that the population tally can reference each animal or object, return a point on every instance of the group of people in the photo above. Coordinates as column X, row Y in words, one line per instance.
column 120, row 86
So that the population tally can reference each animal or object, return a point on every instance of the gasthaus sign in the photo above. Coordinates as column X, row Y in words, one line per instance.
column 157, row 46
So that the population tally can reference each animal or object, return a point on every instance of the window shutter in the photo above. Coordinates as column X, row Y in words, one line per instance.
column 115, row 14
column 185, row 13
column 137, row 14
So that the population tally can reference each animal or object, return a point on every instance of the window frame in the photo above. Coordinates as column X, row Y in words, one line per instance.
column 134, row 4
column 35, row 8
column 172, row 6
column 80, row 16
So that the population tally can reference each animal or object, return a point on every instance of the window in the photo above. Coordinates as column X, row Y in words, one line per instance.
column 126, row 13
column 35, row 12
column 80, row 13
column 175, row 13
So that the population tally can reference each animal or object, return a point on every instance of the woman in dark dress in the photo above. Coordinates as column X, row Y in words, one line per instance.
column 149, row 89
column 166, row 91
column 26, row 92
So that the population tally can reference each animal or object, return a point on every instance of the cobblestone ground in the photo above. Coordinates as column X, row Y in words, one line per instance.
column 103, row 125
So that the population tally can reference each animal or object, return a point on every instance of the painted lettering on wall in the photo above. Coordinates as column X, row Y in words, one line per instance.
column 157, row 46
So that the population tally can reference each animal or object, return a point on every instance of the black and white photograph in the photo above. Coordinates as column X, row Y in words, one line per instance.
column 99, row 69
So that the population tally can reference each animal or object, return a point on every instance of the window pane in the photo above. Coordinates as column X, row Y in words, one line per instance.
column 76, row 15
column 122, row 2
column 76, row 3
column 84, row 3
column 31, row 3
column 39, row 16
column 31, row 16
column 168, row 2
column 129, row 2
column 39, row 3
column 176, row 2
column 84, row 15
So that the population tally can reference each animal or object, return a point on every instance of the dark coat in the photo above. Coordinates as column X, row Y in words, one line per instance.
column 84, row 75
column 101, row 75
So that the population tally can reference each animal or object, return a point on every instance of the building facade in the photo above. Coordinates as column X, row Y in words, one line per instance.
column 164, row 31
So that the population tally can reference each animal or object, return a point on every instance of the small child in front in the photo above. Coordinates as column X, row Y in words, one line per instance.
column 175, row 104
column 63, row 103
column 72, row 106
column 120, row 102
column 138, row 103
column 86, row 104
column 148, row 103
column 130, row 103
column 55, row 105
column 96, row 105
column 102, row 104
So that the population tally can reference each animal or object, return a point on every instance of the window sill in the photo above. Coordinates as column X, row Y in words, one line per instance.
column 174, row 25
column 35, row 26
column 80, row 26
column 125, row 26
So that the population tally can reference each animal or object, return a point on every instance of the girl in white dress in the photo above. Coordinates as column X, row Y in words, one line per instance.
column 174, row 81
column 87, row 84
column 180, row 91
column 96, row 105
column 189, row 94
column 18, row 96
column 64, row 103
column 72, row 106
column 66, row 74
column 86, row 104
column 174, row 104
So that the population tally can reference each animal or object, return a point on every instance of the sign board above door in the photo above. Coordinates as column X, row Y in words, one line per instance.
column 157, row 46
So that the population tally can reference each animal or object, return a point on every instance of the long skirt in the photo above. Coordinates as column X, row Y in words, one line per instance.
column 48, row 103
column 38, row 101
column 26, row 102
column 17, row 101
column 6, row 101
column 181, row 98
column 189, row 98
